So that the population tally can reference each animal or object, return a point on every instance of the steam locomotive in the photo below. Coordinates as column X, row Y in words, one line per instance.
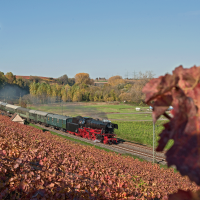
column 93, row 129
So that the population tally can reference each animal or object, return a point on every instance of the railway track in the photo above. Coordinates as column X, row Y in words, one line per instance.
column 141, row 151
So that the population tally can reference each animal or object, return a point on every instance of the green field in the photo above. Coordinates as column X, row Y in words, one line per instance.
column 128, row 117
column 129, row 129
column 140, row 132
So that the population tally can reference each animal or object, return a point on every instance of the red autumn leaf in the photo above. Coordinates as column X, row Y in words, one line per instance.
column 51, row 185
column 41, row 163
column 109, row 182
column 16, row 165
column 78, row 186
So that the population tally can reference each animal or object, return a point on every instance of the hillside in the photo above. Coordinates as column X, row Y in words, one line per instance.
column 38, row 165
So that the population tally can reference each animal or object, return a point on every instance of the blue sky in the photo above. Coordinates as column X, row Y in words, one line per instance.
column 100, row 37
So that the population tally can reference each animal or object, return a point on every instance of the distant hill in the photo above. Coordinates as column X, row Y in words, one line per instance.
column 28, row 77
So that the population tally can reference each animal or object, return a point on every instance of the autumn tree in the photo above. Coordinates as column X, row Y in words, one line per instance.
column 33, row 88
column 63, row 80
column 49, row 90
column 115, row 80
column 21, row 82
column 71, row 81
column 82, row 78
column 10, row 77
column 3, row 78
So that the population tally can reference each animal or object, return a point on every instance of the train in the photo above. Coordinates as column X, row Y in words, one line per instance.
column 86, row 127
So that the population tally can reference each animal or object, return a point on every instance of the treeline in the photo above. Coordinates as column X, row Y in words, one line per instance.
column 11, row 79
column 116, row 89
column 79, row 88
column 13, row 87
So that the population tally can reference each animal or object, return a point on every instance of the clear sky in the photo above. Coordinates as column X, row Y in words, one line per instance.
column 100, row 37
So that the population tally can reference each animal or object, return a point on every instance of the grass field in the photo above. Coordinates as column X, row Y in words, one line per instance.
column 140, row 132
column 134, row 131
column 127, row 117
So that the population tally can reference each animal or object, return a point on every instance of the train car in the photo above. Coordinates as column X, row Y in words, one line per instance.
column 38, row 116
column 57, row 121
column 32, row 116
column 41, row 117
column 11, row 108
column 23, row 112
column 3, row 106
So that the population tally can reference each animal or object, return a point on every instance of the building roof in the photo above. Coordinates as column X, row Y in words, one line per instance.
column 16, row 118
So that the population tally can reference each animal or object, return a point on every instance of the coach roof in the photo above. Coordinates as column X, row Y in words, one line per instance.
column 57, row 116
column 23, row 109
column 41, row 113
column 32, row 111
column 2, row 103
column 12, row 106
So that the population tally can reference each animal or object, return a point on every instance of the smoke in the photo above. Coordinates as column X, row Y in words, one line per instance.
column 84, row 110
column 11, row 92
column 69, row 108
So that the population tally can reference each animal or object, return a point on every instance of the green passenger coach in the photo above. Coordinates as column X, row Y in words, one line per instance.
column 11, row 108
column 3, row 106
column 41, row 117
column 23, row 112
column 57, row 121
column 32, row 115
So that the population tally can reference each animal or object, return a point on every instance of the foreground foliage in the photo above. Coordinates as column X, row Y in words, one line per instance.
column 38, row 165
column 182, row 91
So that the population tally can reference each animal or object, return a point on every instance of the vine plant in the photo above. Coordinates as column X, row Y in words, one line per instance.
column 182, row 91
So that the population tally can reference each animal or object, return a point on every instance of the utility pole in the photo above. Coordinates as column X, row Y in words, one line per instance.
column 126, row 75
column 153, row 141
column 134, row 75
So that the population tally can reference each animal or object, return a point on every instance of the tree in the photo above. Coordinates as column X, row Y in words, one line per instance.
column 33, row 88
column 115, row 80
column 49, row 90
column 82, row 78
column 71, row 81
column 63, row 79
column 21, row 82
column 3, row 78
column 10, row 77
